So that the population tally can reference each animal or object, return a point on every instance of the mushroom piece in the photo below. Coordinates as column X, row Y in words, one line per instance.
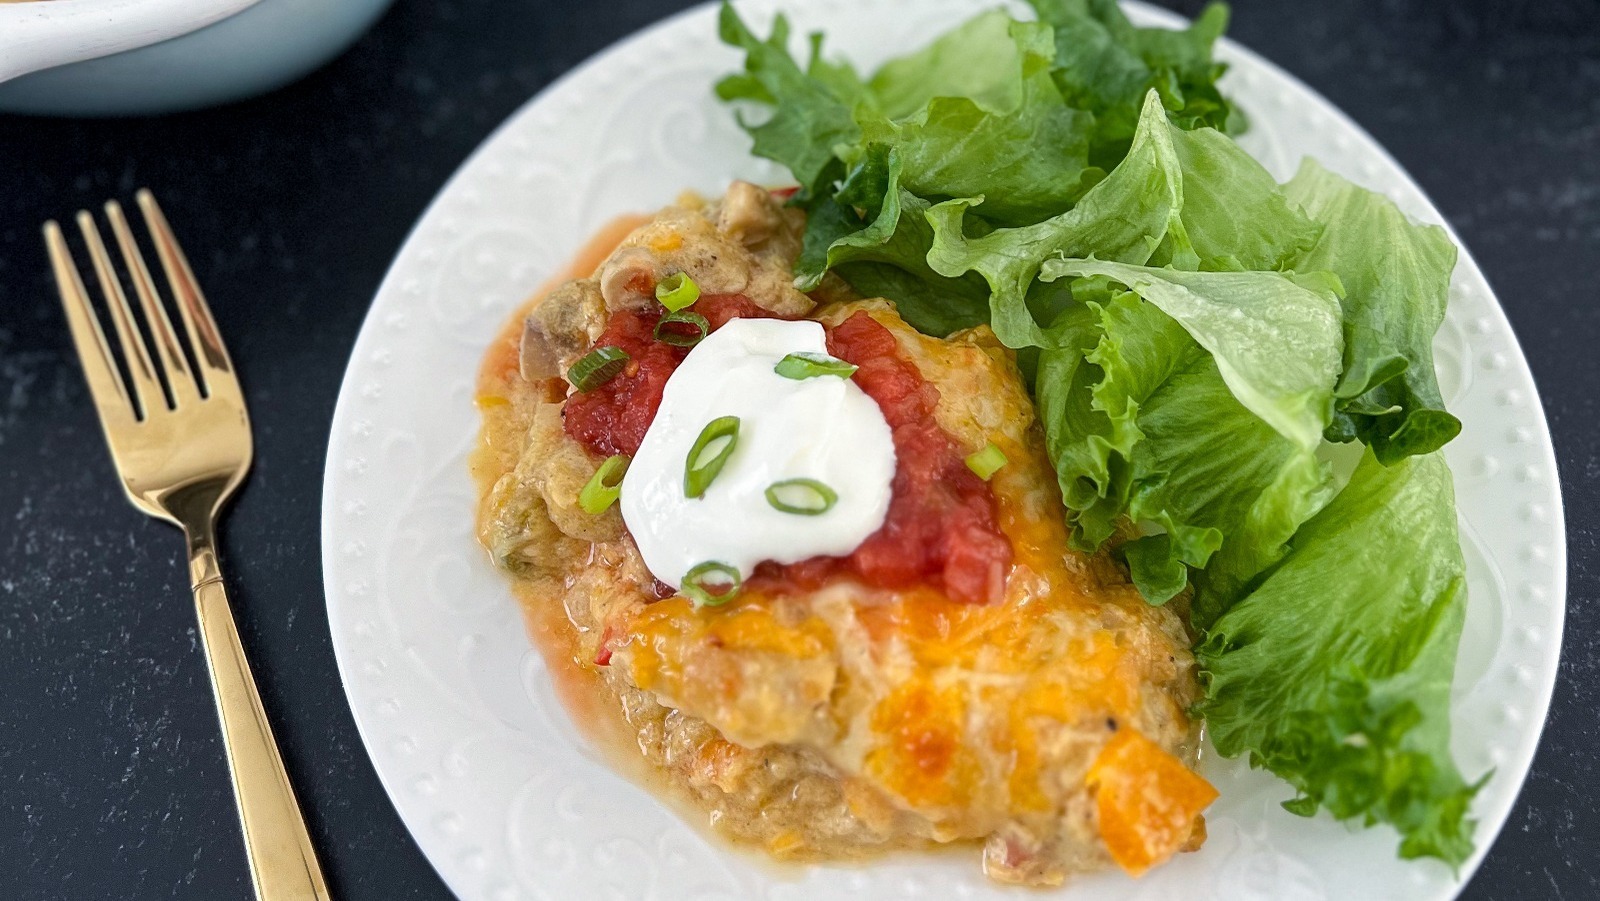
column 558, row 329
column 749, row 214
column 557, row 468
column 628, row 279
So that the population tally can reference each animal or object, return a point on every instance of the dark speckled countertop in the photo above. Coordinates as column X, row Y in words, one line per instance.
column 112, row 781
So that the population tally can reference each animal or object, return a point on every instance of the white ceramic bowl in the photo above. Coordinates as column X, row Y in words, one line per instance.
column 126, row 57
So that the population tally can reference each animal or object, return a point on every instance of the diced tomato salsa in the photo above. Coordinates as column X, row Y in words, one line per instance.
column 613, row 418
column 941, row 528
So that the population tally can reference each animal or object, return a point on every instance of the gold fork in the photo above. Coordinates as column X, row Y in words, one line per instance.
column 180, row 459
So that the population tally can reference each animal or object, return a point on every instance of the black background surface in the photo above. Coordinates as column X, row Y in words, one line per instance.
column 112, row 781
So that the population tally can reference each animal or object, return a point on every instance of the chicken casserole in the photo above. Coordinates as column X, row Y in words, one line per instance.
column 960, row 676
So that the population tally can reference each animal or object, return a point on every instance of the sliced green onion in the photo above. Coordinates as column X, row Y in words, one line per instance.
column 809, row 366
column 605, row 486
column 677, row 338
column 711, row 584
column 597, row 367
column 806, row 497
column 987, row 462
column 711, row 450
column 677, row 291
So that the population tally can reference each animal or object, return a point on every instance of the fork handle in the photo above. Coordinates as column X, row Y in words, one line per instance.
column 283, row 865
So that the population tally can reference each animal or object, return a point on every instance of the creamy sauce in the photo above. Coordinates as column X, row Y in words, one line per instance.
column 582, row 693
column 823, row 428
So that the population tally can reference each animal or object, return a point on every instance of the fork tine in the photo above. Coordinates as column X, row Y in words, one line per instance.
column 155, row 315
column 206, row 341
column 147, row 395
column 99, row 369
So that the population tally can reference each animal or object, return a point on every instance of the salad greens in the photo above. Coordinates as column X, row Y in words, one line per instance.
column 1195, row 335
column 1396, row 275
column 1347, row 699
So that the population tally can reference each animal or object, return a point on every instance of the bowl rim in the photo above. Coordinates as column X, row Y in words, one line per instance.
column 48, row 33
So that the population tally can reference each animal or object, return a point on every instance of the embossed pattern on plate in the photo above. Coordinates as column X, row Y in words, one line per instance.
column 455, row 707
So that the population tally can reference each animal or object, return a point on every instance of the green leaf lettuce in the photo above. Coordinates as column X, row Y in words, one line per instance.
column 1396, row 276
column 1193, row 333
column 1334, row 672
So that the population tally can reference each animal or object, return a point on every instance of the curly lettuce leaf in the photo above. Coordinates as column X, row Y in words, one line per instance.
column 1275, row 338
column 1243, row 360
column 981, row 111
column 1334, row 672
column 1013, row 138
column 883, row 253
column 1234, row 216
column 933, row 307
column 1142, row 424
column 811, row 106
column 1187, row 199
column 986, row 59
column 1396, row 275
column 1122, row 218
column 1104, row 63
column 1089, row 415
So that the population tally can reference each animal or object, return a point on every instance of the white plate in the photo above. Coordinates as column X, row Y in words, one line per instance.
column 455, row 707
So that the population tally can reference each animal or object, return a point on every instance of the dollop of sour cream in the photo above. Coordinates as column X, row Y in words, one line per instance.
column 824, row 428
